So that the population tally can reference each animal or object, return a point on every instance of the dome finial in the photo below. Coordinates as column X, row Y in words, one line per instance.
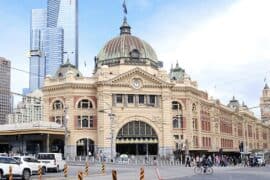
column 125, row 28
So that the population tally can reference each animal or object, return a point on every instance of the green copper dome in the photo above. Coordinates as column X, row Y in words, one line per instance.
column 126, row 46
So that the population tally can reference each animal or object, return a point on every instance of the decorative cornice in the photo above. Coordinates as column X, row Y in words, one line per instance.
column 68, row 85
column 158, row 82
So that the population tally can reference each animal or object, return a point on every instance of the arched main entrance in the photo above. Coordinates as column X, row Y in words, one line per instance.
column 82, row 147
column 137, row 138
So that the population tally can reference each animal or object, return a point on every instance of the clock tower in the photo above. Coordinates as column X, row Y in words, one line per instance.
column 265, row 104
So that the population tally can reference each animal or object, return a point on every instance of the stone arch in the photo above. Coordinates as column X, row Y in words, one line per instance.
column 139, row 118
column 54, row 101
column 83, row 98
column 81, row 146
column 137, row 136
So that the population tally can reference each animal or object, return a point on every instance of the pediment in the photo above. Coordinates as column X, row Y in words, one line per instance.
column 147, row 79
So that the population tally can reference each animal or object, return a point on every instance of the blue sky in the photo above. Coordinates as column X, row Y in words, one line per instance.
column 224, row 45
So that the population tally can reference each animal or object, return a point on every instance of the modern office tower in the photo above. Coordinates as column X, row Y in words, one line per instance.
column 37, row 54
column 5, row 98
column 64, row 14
column 53, row 49
column 54, row 32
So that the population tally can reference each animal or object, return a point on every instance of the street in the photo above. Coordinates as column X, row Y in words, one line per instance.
column 132, row 172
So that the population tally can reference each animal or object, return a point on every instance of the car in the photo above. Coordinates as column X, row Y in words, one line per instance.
column 53, row 161
column 18, row 169
column 32, row 163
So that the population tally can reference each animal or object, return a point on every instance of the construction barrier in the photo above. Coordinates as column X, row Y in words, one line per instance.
column 39, row 172
column 103, row 168
column 10, row 176
column 114, row 175
column 65, row 170
column 142, row 173
column 158, row 174
column 80, row 175
column 86, row 172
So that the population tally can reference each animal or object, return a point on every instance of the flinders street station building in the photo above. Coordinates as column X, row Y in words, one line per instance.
column 132, row 106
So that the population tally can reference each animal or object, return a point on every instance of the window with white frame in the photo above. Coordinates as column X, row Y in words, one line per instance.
column 85, row 122
column 58, row 105
column 85, row 104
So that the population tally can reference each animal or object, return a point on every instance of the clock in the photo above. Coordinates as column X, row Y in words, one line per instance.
column 136, row 83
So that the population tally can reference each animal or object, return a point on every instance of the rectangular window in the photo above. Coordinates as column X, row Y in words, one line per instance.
column 152, row 99
column 91, row 121
column 119, row 98
column 141, row 99
column 130, row 98
column 176, row 137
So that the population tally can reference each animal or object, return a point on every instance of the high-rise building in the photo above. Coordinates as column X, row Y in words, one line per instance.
column 54, row 31
column 5, row 98
column 37, row 54
column 64, row 14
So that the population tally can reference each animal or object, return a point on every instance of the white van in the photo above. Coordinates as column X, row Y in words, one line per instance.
column 53, row 161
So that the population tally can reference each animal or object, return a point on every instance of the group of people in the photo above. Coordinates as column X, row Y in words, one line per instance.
column 218, row 160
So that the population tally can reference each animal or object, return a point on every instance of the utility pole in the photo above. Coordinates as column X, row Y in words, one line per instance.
column 111, row 126
column 66, row 132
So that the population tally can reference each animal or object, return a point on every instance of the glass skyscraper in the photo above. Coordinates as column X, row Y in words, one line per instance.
column 37, row 56
column 54, row 31
column 64, row 14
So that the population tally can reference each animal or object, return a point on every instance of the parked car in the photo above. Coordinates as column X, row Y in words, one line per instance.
column 18, row 169
column 32, row 163
column 53, row 161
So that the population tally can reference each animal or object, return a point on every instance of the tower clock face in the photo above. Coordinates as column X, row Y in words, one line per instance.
column 136, row 83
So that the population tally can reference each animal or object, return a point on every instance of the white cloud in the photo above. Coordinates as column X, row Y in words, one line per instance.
column 230, row 46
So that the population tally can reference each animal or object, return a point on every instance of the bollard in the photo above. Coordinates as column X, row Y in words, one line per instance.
column 65, row 170
column 114, row 175
column 80, row 175
column 39, row 172
column 103, row 168
column 10, row 177
column 142, row 174
column 86, row 169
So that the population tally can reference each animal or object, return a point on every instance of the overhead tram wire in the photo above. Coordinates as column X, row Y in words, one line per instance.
column 24, row 71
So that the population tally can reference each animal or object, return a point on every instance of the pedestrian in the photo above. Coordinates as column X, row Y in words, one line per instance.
column 187, row 162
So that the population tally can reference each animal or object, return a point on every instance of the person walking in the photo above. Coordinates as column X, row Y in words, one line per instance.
column 188, row 162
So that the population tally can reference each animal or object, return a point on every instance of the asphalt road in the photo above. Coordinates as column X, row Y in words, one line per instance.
column 132, row 172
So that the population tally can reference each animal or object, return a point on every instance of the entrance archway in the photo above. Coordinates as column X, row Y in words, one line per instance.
column 137, row 138
column 82, row 147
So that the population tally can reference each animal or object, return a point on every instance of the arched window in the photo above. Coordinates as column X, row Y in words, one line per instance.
column 57, row 105
column 85, row 104
column 135, row 54
column 177, row 106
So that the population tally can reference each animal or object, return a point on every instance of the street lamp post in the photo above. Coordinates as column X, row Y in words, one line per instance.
column 66, row 132
column 111, row 115
column 87, row 148
column 111, row 127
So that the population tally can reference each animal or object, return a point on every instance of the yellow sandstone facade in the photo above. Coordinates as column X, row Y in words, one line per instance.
column 131, row 106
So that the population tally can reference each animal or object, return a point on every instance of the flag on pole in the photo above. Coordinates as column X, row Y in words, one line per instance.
column 125, row 7
column 265, row 79
column 84, row 63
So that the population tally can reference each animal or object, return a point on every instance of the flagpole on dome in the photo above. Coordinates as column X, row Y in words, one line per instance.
column 125, row 28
